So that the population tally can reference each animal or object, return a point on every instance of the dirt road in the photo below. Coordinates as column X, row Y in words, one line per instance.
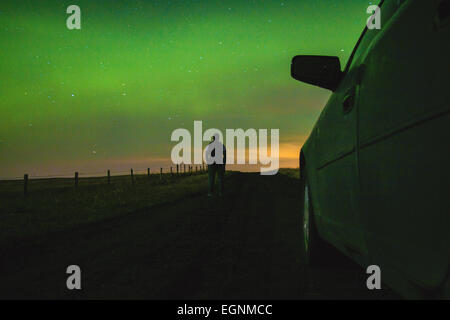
column 245, row 245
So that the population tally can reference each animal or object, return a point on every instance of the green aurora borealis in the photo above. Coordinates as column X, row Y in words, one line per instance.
column 109, row 95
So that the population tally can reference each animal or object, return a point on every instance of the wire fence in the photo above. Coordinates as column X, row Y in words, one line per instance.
column 110, row 176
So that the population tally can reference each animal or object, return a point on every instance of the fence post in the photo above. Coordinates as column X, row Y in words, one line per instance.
column 184, row 168
column 76, row 179
column 148, row 173
column 160, row 173
column 171, row 172
column 177, row 169
column 25, row 184
column 109, row 177
column 132, row 177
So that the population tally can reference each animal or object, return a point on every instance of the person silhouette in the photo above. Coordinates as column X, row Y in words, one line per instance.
column 216, row 158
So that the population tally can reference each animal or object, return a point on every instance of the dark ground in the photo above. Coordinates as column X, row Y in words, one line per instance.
column 246, row 245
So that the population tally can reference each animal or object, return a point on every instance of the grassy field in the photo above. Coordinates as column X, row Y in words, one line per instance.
column 245, row 245
column 55, row 204
column 292, row 173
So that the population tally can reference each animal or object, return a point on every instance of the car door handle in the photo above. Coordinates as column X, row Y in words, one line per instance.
column 349, row 101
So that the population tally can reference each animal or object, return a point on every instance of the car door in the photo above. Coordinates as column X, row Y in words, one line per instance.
column 336, row 167
column 404, row 133
column 336, row 170
column 337, row 136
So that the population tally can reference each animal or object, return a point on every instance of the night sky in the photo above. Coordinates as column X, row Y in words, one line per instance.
column 109, row 95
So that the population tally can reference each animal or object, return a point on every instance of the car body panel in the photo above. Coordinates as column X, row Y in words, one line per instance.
column 403, row 156
column 336, row 168
column 379, row 175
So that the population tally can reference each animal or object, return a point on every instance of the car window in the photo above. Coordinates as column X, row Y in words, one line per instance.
column 387, row 9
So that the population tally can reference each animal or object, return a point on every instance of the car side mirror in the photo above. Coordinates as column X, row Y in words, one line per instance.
column 322, row 71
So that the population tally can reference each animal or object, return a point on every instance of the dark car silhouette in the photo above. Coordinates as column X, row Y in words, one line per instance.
column 375, row 169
